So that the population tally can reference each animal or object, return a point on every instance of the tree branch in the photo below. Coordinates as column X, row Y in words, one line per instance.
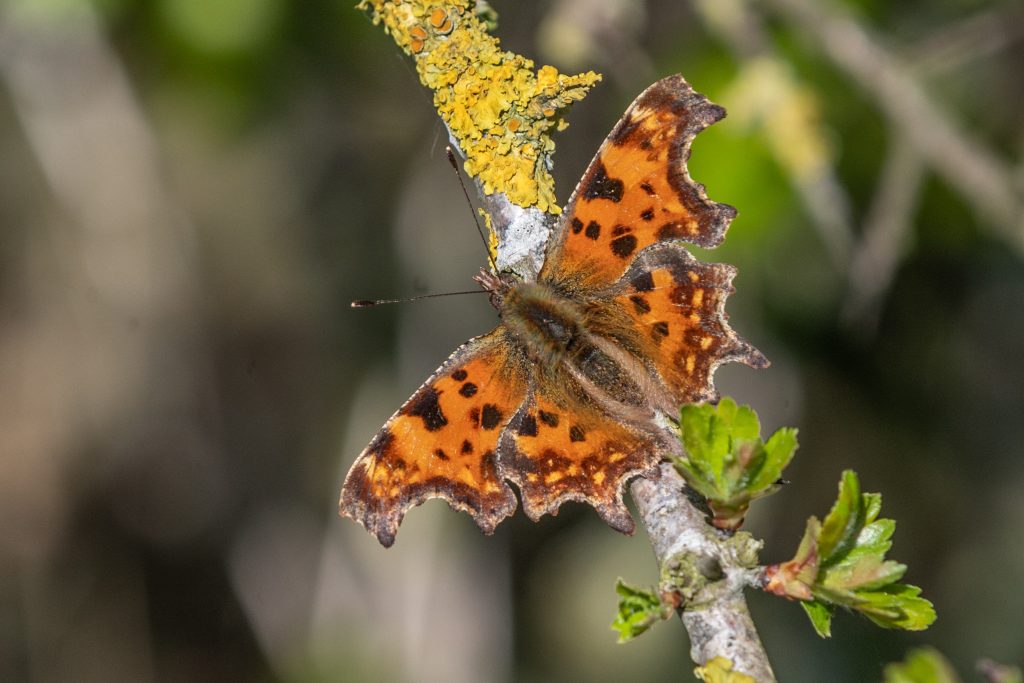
column 717, row 619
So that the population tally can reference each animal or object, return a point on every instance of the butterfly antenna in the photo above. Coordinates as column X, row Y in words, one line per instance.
column 458, row 174
column 366, row 303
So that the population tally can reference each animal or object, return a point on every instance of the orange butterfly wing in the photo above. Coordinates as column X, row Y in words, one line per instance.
column 443, row 443
column 637, row 190
column 570, row 452
column 678, row 305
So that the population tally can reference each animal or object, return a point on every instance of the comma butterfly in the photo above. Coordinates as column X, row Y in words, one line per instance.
column 621, row 324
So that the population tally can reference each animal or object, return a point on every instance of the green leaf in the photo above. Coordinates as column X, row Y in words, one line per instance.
column 898, row 605
column 727, row 462
column 874, row 539
column 864, row 573
column 808, row 549
column 820, row 615
column 841, row 561
column 779, row 450
column 639, row 609
column 872, row 506
column 741, row 421
column 697, row 479
column 706, row 439
column 924, row 665
column 841, row 526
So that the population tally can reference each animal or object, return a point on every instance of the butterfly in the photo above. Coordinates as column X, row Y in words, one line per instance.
column 620, row 326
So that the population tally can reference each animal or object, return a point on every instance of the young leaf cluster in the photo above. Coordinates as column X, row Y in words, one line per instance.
column 841, row 561
column 727, row 462
column 639, row 609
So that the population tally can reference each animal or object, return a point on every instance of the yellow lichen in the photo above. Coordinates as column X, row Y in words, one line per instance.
column 492, row 241
column 497, row 107
column 719, row 670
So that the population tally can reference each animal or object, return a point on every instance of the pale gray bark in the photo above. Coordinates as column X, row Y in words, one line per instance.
column 717, row 619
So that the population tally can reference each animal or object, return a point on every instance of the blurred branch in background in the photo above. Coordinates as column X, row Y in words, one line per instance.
column 104, row 355
column 768, row 92
column 598, row 34
column 885, row 239
column 966, row 40
column 983, row 180
column 922, row 136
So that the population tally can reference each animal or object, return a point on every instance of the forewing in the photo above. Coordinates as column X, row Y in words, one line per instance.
column 441, row 444
column 677, row 304
column 637, row 190
column 563, row 450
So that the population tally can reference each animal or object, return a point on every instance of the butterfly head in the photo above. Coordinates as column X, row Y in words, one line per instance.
column 498, row 286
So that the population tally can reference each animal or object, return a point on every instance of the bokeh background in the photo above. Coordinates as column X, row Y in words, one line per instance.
column 192, row 191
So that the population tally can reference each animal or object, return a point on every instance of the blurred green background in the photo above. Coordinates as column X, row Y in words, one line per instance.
column 192, row 191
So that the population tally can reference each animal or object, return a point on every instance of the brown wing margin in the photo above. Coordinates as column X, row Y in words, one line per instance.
column 637, row 191
column 442, row 443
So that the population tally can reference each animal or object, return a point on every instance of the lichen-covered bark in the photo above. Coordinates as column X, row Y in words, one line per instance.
column 499, row 109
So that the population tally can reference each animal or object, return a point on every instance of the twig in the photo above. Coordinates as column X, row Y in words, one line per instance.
column 967, row 40
column 721, row 627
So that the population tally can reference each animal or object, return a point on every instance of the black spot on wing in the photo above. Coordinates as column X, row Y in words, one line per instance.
column 624, row 246
column 640, row 304
column 647, row 214
column 593, row 230
column 426, row 407
column 459, row 375
column 491, row 416
column 550, row 419
column 528, row 426
column 644, row 282
column 577, row 225
column 603, row 187
column 467, row 447
column 488, row 462
column 467, row 390
column 441, row 454
column 576, row 434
